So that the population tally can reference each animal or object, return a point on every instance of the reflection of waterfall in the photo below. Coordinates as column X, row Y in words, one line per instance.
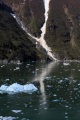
column 40, row 40
column 40, row 78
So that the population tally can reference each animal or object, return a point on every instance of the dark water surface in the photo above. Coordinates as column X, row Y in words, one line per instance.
column 58, row 95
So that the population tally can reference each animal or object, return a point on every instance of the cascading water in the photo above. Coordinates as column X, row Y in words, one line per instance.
column 40, row 40
column 43, row 29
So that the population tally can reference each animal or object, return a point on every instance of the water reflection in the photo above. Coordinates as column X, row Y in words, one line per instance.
column 57, row 99
column 39, row 77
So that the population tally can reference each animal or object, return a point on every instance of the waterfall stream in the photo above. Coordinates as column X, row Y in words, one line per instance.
column 40, row 40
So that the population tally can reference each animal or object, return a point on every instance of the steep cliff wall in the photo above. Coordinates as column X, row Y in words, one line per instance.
column 14, row 42
column 31, row 12
column 63, row 25
column 63, row 28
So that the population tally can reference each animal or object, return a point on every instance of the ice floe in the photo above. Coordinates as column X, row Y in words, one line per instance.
column 16, row 111
column 7, row 118
column 65, row 64
column 17, row 88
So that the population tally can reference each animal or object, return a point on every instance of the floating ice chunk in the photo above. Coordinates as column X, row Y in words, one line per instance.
column 2, row 66
column 49, row 86
column 66, row 64
column 16, row 88
column 7, row 118
column 7, row 79
column 56, row 100
column 55, row 95
column 30, row 87
column 16, row 111
column 3, row 88
column 18, row 62
column 17, row 68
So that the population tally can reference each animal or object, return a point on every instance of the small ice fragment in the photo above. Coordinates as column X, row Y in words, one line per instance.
column 66, row 106
column 17, row 68
column 66, row 113
column 60, row 81
column 16, row 111
column 7, row 79
column 65, row 64
column 56, row 100
column 49, row 86
column 2, row 66
column 54, row 95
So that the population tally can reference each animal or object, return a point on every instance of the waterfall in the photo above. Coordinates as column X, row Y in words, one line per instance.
column 46, row 6
column 43, row 29
column 41, row 41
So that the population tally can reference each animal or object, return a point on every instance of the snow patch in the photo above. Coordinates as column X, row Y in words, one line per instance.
column 17, row 88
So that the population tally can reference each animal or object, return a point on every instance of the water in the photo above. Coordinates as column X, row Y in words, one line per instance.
column 58, row 95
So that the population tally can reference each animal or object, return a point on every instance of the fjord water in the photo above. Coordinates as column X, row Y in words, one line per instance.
column 58, row 95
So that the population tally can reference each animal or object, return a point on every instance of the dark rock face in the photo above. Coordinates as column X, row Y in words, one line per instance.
column 30, row 12
column 14, row 43
column 4, row 7
column 63, row 25
column 63, row 28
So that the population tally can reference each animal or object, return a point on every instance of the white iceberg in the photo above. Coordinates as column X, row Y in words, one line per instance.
column 3, row 88
column 16, row 88
column 30, row 87
column 7, row 118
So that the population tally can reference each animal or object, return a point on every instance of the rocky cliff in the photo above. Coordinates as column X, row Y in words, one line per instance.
column 63, row 25
column 63, row 28
column 30, row 12
column 14, row 42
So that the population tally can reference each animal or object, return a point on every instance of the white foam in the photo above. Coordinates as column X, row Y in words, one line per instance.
column 17, row 88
